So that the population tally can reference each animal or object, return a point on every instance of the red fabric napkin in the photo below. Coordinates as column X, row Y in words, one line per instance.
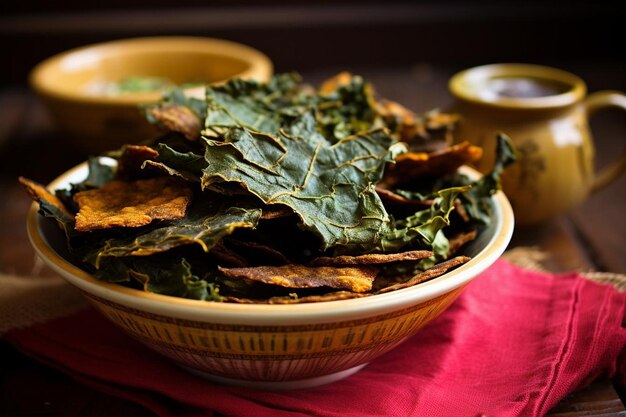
column 513, row 344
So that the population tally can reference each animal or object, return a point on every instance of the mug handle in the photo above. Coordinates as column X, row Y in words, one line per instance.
column 594, row 102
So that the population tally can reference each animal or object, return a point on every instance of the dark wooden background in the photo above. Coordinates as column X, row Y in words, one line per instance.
column 303, row 35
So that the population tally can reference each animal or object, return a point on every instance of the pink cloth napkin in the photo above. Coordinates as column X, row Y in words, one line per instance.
column 513, row 344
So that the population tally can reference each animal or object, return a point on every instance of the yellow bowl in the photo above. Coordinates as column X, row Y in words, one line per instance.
column 272, row 346
column 74, row 83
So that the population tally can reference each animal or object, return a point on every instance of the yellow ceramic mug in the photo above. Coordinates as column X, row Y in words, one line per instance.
column 545, row 112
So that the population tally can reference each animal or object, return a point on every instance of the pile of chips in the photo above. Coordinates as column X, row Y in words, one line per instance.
column 164, row 219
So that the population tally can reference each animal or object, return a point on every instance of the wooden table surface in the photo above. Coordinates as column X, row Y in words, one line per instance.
column 592, row 237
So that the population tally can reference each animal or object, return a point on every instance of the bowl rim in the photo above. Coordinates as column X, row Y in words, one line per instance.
column 304, row 313
column 260, row 66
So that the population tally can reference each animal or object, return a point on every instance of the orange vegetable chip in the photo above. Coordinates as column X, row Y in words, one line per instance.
column 178, row 119
column 333, row 83
column 433, row 272
column 439, row 121
column 413, row 165
column 132, row 158
column 372, row 258
column 459, row 240
column 390, row 198
column 38, row 193
column 132, row 204
column 300, row 276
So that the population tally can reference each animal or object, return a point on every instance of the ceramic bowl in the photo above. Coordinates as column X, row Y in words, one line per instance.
column 77, row 84
column 272, row 346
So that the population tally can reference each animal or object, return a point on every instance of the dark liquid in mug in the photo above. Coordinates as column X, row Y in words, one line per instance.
column 523, row 87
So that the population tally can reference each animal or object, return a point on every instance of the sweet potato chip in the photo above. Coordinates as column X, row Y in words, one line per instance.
column 40, row 193
column 179, row 119
column 413, row 165
column 439, row 121
column 130, row 162
column 132, row 204
column 258, row 250
column 300, row 276
column 460, row 210
column 390, row 198
column 414, row 158
column 388, row 108
column 226, row 256
column 435, row 271
column 333, row 83
column 457, row 241
column 372, row 258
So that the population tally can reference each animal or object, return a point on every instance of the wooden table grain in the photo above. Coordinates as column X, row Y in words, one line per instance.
column 593, row 237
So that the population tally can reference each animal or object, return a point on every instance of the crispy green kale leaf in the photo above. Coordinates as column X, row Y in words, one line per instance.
column 276, row 149
column 185, row 165
column 476, row 201
column 424, row 229
column 165, row 276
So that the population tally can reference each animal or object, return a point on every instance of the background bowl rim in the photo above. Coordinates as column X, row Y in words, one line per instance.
column 463, row 85
column 327, row 311
column 260, row 65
